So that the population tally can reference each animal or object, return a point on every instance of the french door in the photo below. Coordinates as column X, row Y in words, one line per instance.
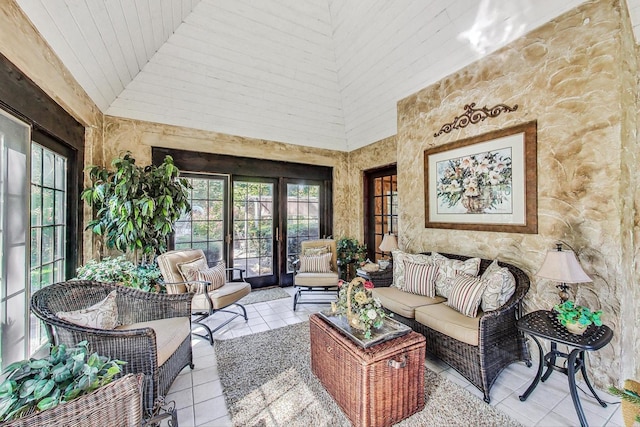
column 244, row 221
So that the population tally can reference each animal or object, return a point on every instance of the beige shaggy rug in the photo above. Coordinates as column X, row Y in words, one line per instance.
column 267, row 382
column 262, row 295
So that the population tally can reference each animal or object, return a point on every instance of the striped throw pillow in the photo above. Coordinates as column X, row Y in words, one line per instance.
column 420, row 278
column 466, row 294
column 213, row 275
column 315, row 263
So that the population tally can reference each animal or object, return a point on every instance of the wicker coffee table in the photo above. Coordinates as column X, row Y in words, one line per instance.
column 375, row 386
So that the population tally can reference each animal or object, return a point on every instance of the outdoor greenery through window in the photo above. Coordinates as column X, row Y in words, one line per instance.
column 204, row 228
column 303, row 218
column 48, row 226
column 253, row 227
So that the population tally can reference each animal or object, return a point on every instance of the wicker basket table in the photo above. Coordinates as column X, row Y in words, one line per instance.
column 377, row 386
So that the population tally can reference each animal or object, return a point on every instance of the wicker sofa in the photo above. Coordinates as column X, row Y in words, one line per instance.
column 478, row 348
column 154, row 336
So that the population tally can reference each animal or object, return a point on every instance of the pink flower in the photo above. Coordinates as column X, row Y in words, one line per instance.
column 340, row 283
column 368, row 284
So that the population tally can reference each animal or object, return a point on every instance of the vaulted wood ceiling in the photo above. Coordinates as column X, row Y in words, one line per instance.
column 321, row 73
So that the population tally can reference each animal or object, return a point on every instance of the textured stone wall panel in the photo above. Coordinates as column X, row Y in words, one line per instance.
column 566, row 76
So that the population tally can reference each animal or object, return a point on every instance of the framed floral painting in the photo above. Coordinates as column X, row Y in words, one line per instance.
column 484, row 183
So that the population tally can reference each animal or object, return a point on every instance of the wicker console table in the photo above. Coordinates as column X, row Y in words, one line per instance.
column 375, row 386
column 543, row 324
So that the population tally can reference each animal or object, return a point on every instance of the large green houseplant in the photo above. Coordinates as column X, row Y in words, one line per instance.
column 136, row 207
column 40, row 384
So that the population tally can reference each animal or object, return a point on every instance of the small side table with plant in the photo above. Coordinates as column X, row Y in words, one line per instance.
column 349, row 252
column 548, row 325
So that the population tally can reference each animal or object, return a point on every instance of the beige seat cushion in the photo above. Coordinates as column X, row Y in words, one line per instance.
column 401, row 302
column 316, row 279
column 221, row 297
column 170, row 333
column 444, row 319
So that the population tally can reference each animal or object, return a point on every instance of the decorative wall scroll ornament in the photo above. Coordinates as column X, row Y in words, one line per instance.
column 474, row 115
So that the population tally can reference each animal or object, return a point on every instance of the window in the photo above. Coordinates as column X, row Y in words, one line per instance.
column 48, row 226
column 41, row 163
column 381, row 207
column 303, row 218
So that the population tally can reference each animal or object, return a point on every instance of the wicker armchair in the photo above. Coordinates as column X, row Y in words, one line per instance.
column 500, row 342
column 137, row 345
column 117, row 404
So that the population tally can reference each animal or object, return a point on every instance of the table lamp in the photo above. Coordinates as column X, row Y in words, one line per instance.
column 389, row 243
column 562, row 266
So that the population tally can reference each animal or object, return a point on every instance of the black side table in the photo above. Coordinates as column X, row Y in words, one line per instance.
column 544, row 324
column 380, row 278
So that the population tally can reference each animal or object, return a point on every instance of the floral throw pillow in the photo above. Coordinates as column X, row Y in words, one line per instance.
column 466, row 294
column 102, row 315
column 450, row 269
column 319, row 250
column 420, row 278
column 189, row 269
column 500, row 286
column 399, row 258
column 315, row 263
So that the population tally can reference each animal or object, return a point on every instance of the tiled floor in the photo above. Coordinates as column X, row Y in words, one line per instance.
column 199, row 400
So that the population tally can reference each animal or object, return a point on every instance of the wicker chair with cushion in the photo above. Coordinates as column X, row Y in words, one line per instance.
column 316, row 272
column 187, row 271
column 151, row 332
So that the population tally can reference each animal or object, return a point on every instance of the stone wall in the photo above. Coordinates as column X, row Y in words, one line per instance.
column 571, row 76
column 138, row 137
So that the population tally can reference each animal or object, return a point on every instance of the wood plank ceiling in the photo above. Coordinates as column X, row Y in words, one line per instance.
column 320, row 73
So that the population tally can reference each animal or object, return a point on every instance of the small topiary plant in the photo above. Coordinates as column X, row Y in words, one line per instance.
column 39, row 384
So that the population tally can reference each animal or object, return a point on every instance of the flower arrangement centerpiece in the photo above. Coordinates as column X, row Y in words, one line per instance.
column 478, row 182
column 363, row 311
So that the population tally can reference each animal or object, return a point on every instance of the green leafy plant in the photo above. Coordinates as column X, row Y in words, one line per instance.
column 569, row 312
column 627, row 395
column 39, row 384
column 145, row 277
column 136, row 207
column 349, row 251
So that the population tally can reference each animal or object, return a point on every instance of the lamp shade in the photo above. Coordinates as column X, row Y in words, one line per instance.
column 389, row 243
column 562, row 266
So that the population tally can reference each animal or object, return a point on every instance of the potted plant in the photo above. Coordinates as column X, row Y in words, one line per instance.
column 630, row 401
column 577, row 318
column 39, row 384
column 349, row 251
column 145, row 277
column 136, row 207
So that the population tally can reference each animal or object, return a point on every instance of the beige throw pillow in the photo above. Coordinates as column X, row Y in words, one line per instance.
column 420, row 278
column 450, row 269
column 315, row 263
column 320, row 250
column 399, row 258
column 466, row 294
column 214, row 275
column 102, row 315
column 500, row 286
column 189, row 269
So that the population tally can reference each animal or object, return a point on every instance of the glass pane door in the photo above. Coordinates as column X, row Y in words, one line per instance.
column 205, row 226
column 303, row 218
column 15, row 137
column 254, row 218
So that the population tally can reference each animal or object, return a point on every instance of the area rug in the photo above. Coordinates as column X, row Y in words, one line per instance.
column 267, row 382
column 262, row 295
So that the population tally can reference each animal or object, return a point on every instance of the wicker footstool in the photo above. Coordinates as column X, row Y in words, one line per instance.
column 377, row 386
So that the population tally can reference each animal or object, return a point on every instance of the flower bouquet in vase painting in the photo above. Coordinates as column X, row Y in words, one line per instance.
column 355, row 301
column 478, row 183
